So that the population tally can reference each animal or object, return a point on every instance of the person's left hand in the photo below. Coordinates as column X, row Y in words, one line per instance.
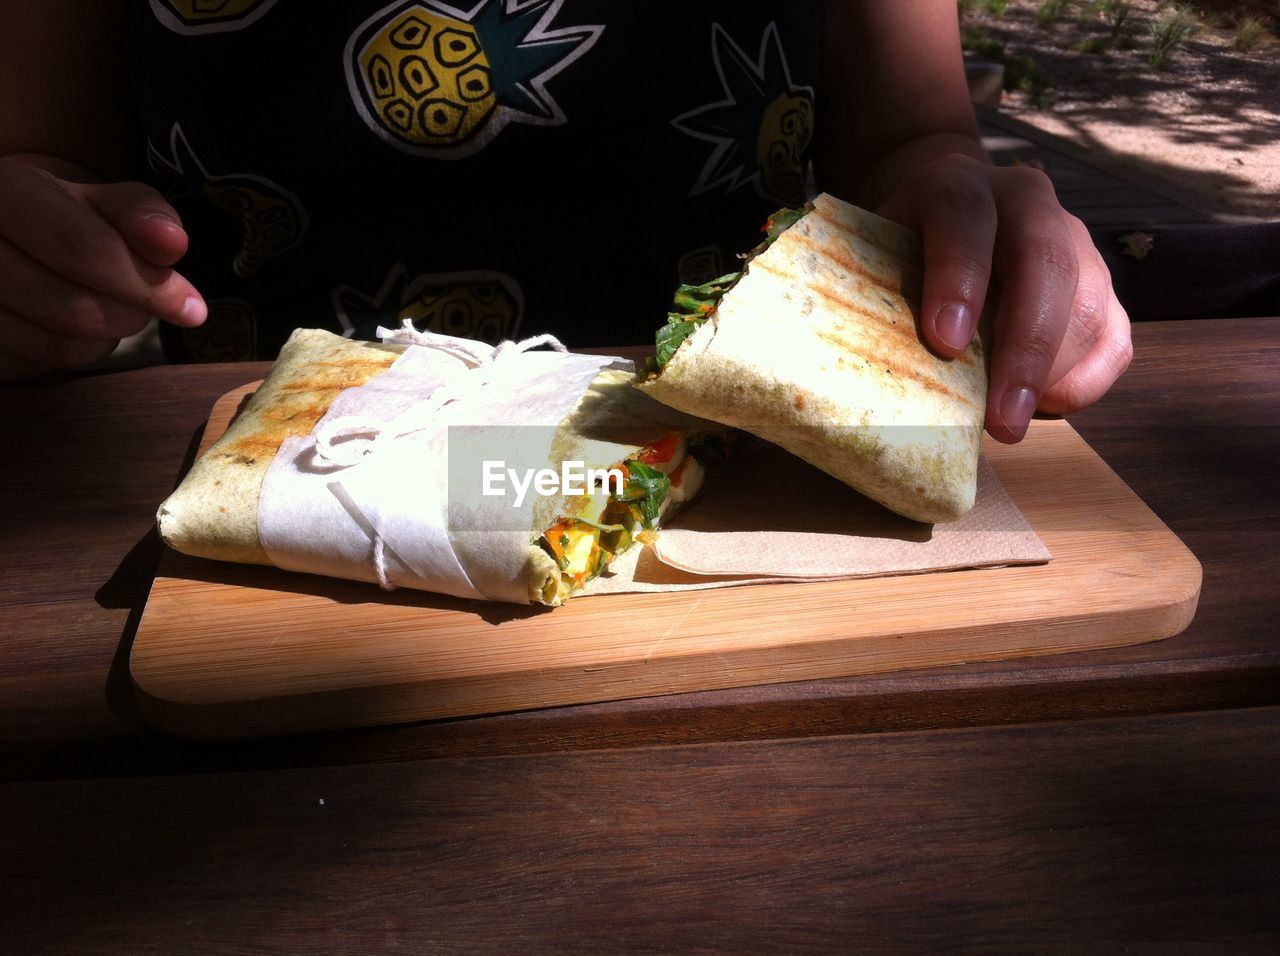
column 1061, row 337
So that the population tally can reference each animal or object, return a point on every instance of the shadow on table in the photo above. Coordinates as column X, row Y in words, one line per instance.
column 1194, row 272
column 128, row 588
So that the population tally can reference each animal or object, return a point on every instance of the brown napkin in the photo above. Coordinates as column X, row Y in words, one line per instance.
column 772, row 517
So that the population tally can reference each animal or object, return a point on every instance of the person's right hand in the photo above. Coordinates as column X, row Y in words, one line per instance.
column 82, row 265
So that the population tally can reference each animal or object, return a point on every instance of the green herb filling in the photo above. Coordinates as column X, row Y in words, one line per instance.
column 694, row 304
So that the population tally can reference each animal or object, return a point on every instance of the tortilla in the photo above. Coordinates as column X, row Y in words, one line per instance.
column 214, row 512
column 262, row 475
column 817, row 348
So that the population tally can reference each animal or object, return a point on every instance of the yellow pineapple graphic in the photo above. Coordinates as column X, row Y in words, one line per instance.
column 429, row 77
column 786, row 131
column 761, row 130
column 434, row 80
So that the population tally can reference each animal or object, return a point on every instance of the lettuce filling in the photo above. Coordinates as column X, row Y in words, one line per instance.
column 694, row 304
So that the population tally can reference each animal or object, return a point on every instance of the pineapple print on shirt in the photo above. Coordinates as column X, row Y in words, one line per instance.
column 229, row 334
column 190, row 17
column 437, row 81
column 477, row 304
column 272, row 219
column 762, row 131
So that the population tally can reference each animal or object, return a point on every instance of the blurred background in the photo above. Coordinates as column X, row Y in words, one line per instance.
column 1159, row 125
column 1186, row 95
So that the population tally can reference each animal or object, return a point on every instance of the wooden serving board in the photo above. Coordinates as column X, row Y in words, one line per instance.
column 227, row 650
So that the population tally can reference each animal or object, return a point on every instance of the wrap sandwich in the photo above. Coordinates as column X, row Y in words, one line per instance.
column 816, row 347
column 366, row 461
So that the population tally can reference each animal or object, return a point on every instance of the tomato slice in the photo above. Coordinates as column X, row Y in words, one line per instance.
column 660, row 451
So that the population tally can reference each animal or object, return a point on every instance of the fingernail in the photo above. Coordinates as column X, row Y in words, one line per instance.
column 954, row 324
column 1016, row 408
column 194, row 311
column 160, row 217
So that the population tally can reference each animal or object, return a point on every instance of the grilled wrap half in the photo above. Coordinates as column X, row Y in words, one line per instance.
column 817, row 348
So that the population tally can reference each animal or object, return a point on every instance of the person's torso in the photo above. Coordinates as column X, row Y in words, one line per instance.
column 492, row 171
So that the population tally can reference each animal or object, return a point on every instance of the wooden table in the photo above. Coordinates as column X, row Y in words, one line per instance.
column 1123, row 797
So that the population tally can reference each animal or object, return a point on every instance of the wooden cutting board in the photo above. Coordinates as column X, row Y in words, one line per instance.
column 227, row 650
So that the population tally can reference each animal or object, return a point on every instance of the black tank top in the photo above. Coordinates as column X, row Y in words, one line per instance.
column 493, row 170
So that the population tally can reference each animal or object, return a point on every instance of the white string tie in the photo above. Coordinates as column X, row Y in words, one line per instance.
column 345, row 441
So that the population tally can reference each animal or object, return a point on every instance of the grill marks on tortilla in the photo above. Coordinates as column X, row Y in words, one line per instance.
column 873, row 356
column 875, row 341
column 293, row 406
column 904, row 331
column 902, row 256
column 896, row 288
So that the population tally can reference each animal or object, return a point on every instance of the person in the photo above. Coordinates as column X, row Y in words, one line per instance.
column 531, row 165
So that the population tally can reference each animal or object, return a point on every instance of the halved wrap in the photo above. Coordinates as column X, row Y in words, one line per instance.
column 816, row 347
column 275, row 490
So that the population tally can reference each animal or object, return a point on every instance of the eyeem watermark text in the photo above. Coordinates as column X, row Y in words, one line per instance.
column 573, row 478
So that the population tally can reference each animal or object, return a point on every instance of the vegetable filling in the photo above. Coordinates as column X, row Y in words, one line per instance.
column 654, row 484
column 694, row 304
